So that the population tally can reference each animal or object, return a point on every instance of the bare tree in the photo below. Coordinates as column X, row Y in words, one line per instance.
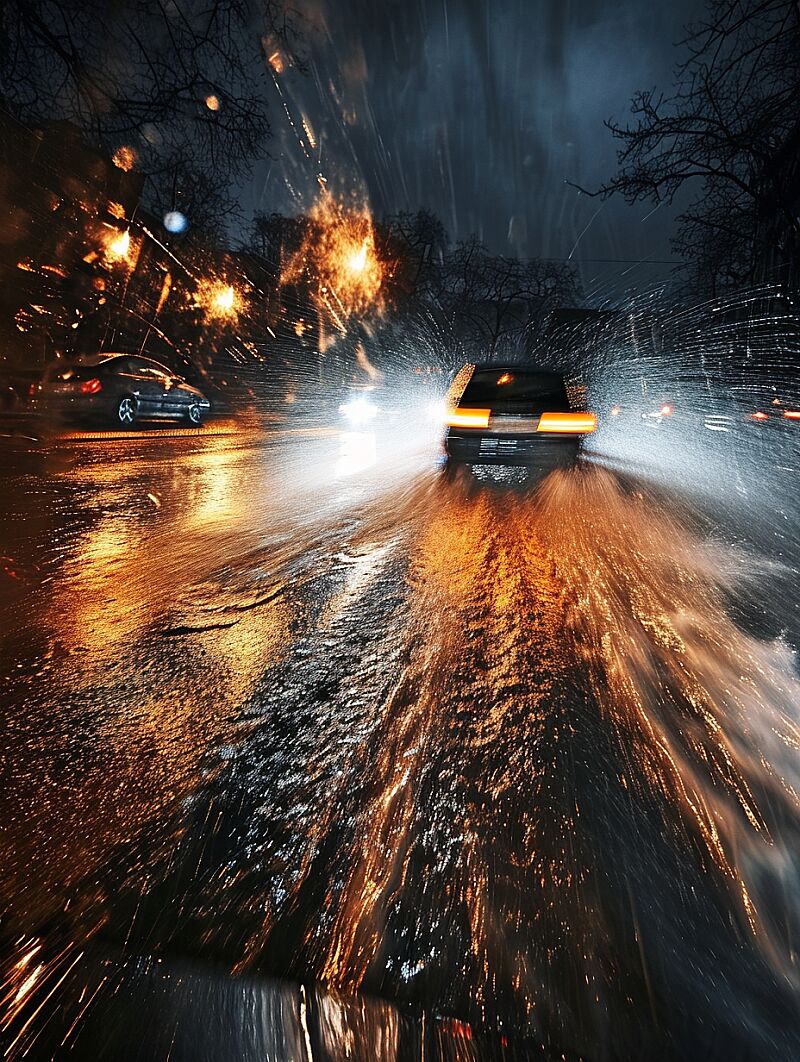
column 415, row 244
column 731, row 126
column 498, row 298
column 276, row 237
column 175, row 84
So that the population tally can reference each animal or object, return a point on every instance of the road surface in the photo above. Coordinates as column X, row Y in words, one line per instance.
column 432, row 768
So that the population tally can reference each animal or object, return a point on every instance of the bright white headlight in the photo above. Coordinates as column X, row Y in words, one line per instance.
column 359, row 410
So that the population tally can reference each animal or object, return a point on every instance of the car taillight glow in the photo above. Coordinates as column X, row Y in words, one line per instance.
column 758, row 415
column 91, row 387
column 666, row 411
column 792, row 414
column 468, row 418
column 575, row 423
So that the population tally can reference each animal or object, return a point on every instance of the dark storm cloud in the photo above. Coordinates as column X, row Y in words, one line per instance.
column 481, row 111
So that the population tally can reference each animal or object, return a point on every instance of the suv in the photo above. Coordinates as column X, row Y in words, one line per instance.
column 514, row 415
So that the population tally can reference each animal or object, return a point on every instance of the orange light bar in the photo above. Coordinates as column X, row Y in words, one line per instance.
column 468, row 418
column 792, row 414
column 574, row 423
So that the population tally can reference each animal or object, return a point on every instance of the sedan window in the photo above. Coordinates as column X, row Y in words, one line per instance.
column 149, row 369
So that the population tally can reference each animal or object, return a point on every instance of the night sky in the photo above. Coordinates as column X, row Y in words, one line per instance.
column 480, row 111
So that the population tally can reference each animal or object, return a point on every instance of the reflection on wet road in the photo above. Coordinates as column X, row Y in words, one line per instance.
column 496, row 753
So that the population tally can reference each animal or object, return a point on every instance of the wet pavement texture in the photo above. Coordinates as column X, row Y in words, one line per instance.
column 494, row 767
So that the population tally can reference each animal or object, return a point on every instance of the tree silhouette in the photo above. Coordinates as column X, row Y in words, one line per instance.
column 175, row 85
column 731, row 125
column 496, row 299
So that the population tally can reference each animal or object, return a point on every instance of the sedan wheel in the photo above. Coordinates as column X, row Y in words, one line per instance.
column 126, row 412
column 195, row 415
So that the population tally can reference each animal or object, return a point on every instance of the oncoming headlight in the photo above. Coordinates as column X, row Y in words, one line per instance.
column 359, row 410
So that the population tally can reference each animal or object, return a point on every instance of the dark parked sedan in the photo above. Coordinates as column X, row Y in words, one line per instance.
column 513, row 415
column 119, row 389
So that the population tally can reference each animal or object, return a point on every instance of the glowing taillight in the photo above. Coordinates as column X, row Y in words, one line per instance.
column 792, row 414
column 574, row 423
column 33, row 390
column 758, row 415
column 468, row 418
column 666, row 411
column 91, row 387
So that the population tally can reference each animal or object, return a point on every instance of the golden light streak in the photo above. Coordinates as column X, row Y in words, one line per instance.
column 310, row 136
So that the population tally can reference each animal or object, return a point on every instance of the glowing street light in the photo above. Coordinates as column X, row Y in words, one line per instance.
column 220, row 301
column 120, row 247
column 224, row 299
column 357, row 261
column 339, row 261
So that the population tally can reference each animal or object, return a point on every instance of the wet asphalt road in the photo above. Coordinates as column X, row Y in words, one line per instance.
column 518, row 758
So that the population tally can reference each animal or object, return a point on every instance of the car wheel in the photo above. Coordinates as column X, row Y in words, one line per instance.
column 126, row 412
column 195, row 415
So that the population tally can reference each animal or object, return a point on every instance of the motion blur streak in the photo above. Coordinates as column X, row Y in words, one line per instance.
column 692, row 716
column 500, row 753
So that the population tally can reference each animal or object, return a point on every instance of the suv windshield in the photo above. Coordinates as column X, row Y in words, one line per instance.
column 516, row 390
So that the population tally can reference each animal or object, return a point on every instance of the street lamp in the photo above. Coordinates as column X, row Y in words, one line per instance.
column 357, row 260
column 120, row 247
column 220, row 301
column 225, row 299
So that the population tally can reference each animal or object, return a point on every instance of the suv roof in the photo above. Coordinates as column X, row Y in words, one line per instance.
column 491, row 366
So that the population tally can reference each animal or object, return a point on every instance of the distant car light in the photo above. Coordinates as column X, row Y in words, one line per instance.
column 792, row 414
column 574, row 423
column 615, row 411
column 91, row 387
column 359, row 410
column 468, row 418
column 666, row 411
column 758, row 415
